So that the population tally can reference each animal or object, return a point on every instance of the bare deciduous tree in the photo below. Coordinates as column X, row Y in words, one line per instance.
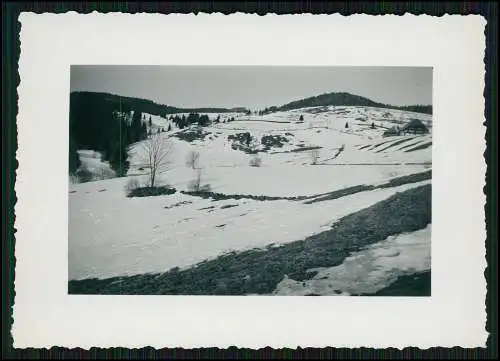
column 195, row 184
column 314, row 156
column 192, row 159
column 156, row 151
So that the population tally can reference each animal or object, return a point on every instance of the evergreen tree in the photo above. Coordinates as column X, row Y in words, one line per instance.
column 144, row 132
column 169, row 127
column 346, row 125
column 183, row 122
column 136, row 126
column 74, row 159
column 301, row 118
column 204, row 120
column 193, row 118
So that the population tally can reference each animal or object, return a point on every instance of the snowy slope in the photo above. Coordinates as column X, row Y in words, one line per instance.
column 358, row 155
column 112, row 235
column 91, row 161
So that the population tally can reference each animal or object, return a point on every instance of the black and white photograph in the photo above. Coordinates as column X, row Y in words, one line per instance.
column 174, row 171
column 250, row 180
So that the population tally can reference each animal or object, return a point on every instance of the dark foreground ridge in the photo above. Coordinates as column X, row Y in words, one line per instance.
column 418, row 284
column 258, row 271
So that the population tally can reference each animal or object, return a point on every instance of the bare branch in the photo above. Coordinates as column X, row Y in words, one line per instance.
column 156, row 151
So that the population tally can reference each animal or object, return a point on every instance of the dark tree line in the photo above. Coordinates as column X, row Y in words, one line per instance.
column 342, row 99
column 191, row 119
column 150, row 107
column 425, row 109
column 103, row 126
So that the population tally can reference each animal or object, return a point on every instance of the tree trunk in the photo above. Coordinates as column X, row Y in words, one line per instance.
column 152, row 179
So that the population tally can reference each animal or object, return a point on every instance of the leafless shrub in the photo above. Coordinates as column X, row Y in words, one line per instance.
column 314, row 156
column 193, row 159
column 196, row 186
column 132, row 184
column 256, row 162
column 104, row 173
column 339, row 150
column 73, row 178
column 84, row 174
column 205, row 188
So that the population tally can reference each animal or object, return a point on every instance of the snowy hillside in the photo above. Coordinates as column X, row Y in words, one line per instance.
column 93, row 166
column 287, row 170
column 309, row 153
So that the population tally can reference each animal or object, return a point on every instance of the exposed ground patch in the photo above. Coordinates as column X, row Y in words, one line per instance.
column 229, row 206
column 382, row 143
column 394, row 144
column 412, row 178
column 410, row 145
column 422, row 146
column 190, row 135
column 178, row 204
column 301, row 149
column 395, row 182
column 415, row 285
column 150, row 191
column 262, row 121
column 364, row 146
column 221, row 196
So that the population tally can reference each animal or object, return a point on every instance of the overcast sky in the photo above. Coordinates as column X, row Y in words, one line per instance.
column 252, row 86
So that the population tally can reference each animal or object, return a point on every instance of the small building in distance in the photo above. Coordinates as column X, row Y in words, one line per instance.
column 392, row 132
column 414, row 126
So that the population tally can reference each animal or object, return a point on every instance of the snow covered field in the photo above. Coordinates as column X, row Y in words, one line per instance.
column 113, row 235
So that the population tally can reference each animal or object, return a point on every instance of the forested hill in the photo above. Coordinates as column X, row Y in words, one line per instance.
column 109, row 123
column 142, row 105
column 344, row 99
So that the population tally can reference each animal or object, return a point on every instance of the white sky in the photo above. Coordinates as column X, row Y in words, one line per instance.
column 254, row 87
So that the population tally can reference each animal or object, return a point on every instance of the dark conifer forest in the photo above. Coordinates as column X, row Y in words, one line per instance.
column 110, row 123
column 99, row 124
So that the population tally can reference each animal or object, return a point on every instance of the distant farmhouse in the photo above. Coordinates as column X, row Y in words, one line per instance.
column 414, row 126
column 391, row 132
